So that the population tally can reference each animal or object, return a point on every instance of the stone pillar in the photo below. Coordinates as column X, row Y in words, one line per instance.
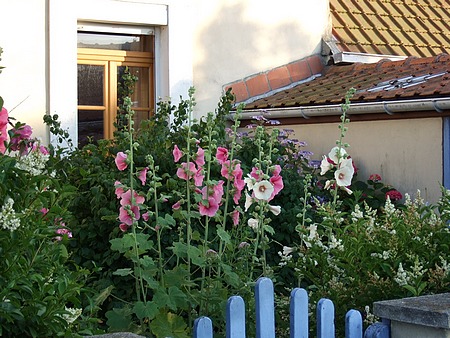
column 417, row 317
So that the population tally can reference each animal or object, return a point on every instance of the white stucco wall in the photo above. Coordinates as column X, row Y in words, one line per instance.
column 203, row 43
column 407, row 154
column 23, row 81
column 234, row 39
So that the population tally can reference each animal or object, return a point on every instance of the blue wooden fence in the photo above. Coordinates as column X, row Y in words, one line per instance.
column 265, row 317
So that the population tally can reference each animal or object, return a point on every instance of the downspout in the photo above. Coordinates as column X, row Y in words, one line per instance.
column 389, row 107
column 446, row 151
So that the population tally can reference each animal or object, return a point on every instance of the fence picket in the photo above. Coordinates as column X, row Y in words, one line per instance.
column 265, row 313
column 299, row 327
column 377, row 330
column 299, row 314
column 353, row 324
column 235, row 317
column 325, row 319
column 203, row 328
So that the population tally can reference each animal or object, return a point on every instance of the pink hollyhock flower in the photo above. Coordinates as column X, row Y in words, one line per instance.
column 277, row 170
column 198, row 178
column 235, row 216
column 3, row 129
column 145, row 216
column 184, row 173
column 225, row 171
column 237, row 196
column 256, row 173
column 44, row 211
column 143, row 175
column 127, row 216
column 394, row 195
column 119, row 189
column 218, row 191
column 176, row 206
column 123, row 227
column 177, row 154
column 126, row 198
column 43, row 150
column 200, row 159
column 21, row 134
column 208, row 207
column 239, row 183
column 277, row 182
column 121, row 161
column 221, row 154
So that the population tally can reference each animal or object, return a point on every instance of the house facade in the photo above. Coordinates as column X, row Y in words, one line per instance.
column 259, row 48
column 197, row 43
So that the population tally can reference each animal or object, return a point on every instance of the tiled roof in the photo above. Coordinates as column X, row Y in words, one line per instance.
column 412, row 78
column 392, row 27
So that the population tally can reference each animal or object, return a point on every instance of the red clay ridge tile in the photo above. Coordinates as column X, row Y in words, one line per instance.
column 257, row 85
column 239, row 89
column 279, row 77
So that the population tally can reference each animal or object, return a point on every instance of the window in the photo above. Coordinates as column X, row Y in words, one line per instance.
column 102, row 59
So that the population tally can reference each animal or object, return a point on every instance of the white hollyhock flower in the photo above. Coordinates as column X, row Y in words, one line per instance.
column 263, row 190
column 275, row 209
column 345, row 173
column 325, row 165
column 333, row 154
column 253, row 223
column 250, row 181
column 248, row 201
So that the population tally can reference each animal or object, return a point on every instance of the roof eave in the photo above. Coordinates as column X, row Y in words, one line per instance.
column 439, row 105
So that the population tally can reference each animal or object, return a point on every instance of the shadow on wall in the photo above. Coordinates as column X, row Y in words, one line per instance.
column 244, row 38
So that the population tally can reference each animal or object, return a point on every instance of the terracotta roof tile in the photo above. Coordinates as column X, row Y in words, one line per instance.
column 385, row 80
column 392, row 27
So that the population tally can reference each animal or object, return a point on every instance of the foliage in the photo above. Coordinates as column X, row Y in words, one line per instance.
column 41, row 289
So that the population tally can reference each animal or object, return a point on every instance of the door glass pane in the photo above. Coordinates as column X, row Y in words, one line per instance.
column 137, row 43
column 90, row 85
column 90, row 126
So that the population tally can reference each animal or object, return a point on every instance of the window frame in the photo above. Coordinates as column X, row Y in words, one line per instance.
column 112, row 59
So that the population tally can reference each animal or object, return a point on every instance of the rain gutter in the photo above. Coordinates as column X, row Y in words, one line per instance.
column 439, row 105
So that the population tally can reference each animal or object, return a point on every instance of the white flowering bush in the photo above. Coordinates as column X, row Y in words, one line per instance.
column 356, row 254
column 40, row 288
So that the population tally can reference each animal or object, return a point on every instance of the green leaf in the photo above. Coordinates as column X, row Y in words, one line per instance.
column 169, row 325
column 196, row 256
column 224, row 236
column 177, row 299
column 123, row 272
column 145, row 310
column 119, row 319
